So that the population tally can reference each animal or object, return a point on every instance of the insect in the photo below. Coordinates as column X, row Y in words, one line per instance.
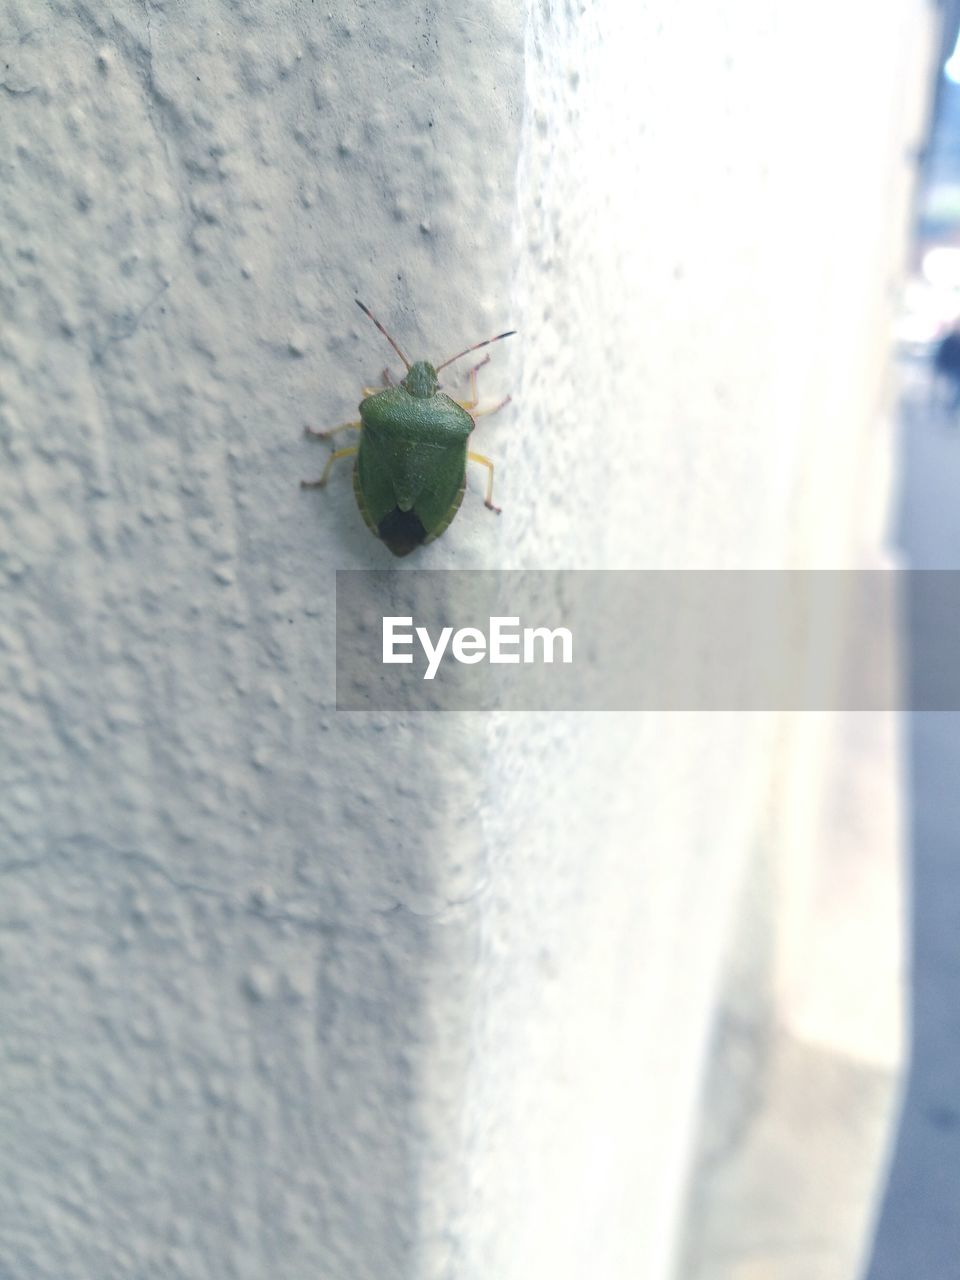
column 410, row 465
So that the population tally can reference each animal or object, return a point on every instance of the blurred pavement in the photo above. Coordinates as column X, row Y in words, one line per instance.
column 919, row 1230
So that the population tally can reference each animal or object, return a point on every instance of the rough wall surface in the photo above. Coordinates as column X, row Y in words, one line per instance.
column 286, row 992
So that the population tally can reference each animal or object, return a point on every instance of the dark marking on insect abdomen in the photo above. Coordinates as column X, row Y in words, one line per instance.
column 402, row 531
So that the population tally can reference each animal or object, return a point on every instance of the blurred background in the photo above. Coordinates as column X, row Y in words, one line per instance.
column 918, row 1232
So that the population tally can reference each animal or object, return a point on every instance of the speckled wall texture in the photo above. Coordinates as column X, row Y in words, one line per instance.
column 287, row 993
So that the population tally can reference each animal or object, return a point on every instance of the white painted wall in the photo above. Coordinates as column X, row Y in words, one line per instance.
column 292, row 992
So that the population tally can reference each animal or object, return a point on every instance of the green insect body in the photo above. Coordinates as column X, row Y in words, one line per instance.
column 410, row 466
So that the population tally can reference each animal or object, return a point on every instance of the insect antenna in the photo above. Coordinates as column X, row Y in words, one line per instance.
column 476, row 347
column 367, row 312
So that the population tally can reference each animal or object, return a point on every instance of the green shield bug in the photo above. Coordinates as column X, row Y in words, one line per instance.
column 410, row 465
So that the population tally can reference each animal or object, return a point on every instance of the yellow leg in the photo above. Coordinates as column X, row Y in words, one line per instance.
column 334, row 430
column 482, row 413
column 474, row 393
column 338, row 453
column 471, row 404
column 485, row 462
column 325, row 435
column 388, row 381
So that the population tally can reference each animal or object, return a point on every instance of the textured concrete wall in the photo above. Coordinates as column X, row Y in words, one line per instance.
column 287, row 992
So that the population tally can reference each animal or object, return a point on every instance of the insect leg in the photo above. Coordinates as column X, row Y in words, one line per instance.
column 388, row 381
column 325, row 435
column 482, row 413
column 485, row 462
column 337, row 453
column 474, row 393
